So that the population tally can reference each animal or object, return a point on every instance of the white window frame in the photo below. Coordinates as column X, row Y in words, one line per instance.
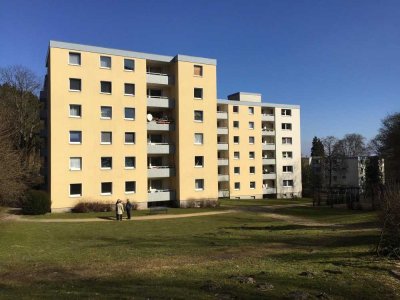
column 105, row 56
column 74, row 53
column 127, row 70
column 75, row 91
column 236, row 188
column 199, row 166
column 254, row 155
column 101, row 112
column 251, row 110
column 101, row 138
column 134, row 138
column 106, row 93
column 251, row 125
column 130, row 192
column 284, row 112
column 107, row 193
column 202, row 93
column 75, row 143
column 74, row 195
column 252, row 188
column 134, row 89
column 287, row 154
column 80, row 110
column 286, row 126
column 202, row 116
column 134, row 163
column 134, row 114
column 195, row 183
column 202, row 138
column 80, row 163
column 101, row 161
column 286, row 139
column 287, row 181
column 287, row 167
column 252, row 142
column 238, row 155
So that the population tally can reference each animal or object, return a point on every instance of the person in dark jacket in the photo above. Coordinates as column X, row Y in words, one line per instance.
column 128, row 208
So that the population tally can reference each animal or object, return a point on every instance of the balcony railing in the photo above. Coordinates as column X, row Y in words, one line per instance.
column 155, row 195
column 160, row 148
column 270, row 175
column 268, row 146
column 269, row 190
column 222, row 146
column 160, row 101
column 160, row 126
column 223, row 161
column 159, row 78
column 223, row 193
column 267, row 117
column 268, row 132
column 269, row 161
column 222, row 130
column 222, row 115
column 160, row 171
column 223, row 177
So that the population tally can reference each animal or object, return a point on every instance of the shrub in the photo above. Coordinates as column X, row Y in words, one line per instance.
column 84, row 207
column 36, row 203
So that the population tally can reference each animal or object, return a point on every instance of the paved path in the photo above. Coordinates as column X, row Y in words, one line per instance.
column 19, row 218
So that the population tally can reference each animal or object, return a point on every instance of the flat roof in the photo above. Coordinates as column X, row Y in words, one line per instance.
column 262, row 104
column 126, row 53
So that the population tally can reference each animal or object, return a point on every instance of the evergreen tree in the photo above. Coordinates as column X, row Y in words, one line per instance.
column 317, row 148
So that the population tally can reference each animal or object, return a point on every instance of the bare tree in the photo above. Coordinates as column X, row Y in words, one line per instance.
column 19, row 102
column 330, row 147
column 352, row 144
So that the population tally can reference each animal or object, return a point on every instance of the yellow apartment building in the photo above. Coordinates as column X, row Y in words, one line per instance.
column 149, row 128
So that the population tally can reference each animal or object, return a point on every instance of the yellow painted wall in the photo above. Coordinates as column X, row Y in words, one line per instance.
column 91, row 125
column 186, row 81
column 244, row 148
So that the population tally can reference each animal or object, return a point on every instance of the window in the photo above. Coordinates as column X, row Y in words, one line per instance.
column 198, row 70
column 129, row 64
column 252, row 170
column 251, row 125
column 286, row 112
column 237, row 186
column 198, row 115
column 130, row 162
column 129, row 89
column 129, row 137
column 251, row 110
column 75, row 189
column 252, row 185
column 236, row 109
column 106, row 112
column 106, row 137
column 251, row 139
column 286, row 126
column 287, row 154
column 130, row 187
column 75, row 137
column 105, row 87
column 288, row 183
column 105, row 62
column 199, row 184
column 75, row 163
column 235, row 124
column 199, row 161
column 236, row 139
column 286, row 140
column 287, row 169
column 198, row 93
column 236, row 170
column 106, row 188
column 252, row 154
column 74, row 59
column 198, row 138
column 129, row 113
column 236, row 155
column 106, row 163
column 75, row 84
column 75, row 111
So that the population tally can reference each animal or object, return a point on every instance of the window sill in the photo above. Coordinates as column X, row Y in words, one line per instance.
column 131, row 95
column 102, row 118
column 200, row 76
column 129, row 119
column 105, row 143
column 105, row 93
column 199, row 190
column 196, row 121
column 106, row 194
column 199, row 167
column 75, row 143
column 197, row 98
column 105, row 168
column 198, row 144
column 75, row 91
column 74, row 65
column 75, row 196
column 129, row 168
column 105, row 68
column 75, row 117
column 129, row 193
column 126, row 70
column 129, row 143
column 74, row 170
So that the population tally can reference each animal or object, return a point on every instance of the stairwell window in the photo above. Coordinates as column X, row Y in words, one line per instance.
column 235, row 109
column 105, row 62
column 252, row 185
column 106, row 163
column 75, row 163
column 237, row 186
column 235, row 124
column 130, row 162
column 74, row 59
column 251, row 140
column 286, row 112
column 198, row 70
column 75, row 137
column 129, row 113
column 252, row 170
column 198, row 116
column 106, row 138
column 236, row 170
column 199, row 161
column 105, row 87
column 251, row 110
column 287, row 169
column 198, row 139
column 251, row 125
column 199, row 184
column 129, row 89
column 236, row 155
column 236, row 139
column 75, row 111
column 287, row 154
column 129, row 138
column 287, row 140
column 252, row 155
column 286, row 126
column 106, row 112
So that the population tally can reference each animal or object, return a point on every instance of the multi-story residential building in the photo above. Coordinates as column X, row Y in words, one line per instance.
column 149, row 128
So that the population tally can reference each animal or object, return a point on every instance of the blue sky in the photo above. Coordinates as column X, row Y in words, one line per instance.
column 340, row 60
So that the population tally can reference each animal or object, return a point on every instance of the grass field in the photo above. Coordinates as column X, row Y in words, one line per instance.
column 240, row 255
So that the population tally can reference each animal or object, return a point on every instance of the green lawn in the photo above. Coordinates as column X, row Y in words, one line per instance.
column 242, row 255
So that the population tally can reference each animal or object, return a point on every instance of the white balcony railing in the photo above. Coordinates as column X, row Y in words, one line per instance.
column 160, row 148
column 160, row 171
column 222, row 115
column 159, row 78
column 155, row 195
column 222, row 130
column 160, row 101
column 222, row 146
column 223, row 177
column 223, row 161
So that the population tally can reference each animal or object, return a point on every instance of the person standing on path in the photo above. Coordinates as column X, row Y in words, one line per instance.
column 128, row 208
column 116, row 209
column 120, row 210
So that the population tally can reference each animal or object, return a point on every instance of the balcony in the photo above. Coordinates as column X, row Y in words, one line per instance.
column 267, row 117
column 160, row 126
column 160, row 172
column 269, row 161
column 160, row 195
column 268, row 132
column 159, row 78
column 268, row 146
column 269, row 176
column 269, row 190
column 162, row 102
column 223, row 193
column 160, row 148
column 223, row 161
column 222, row 130
column 222, row 146
column 223, row 177
column 222, row 115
